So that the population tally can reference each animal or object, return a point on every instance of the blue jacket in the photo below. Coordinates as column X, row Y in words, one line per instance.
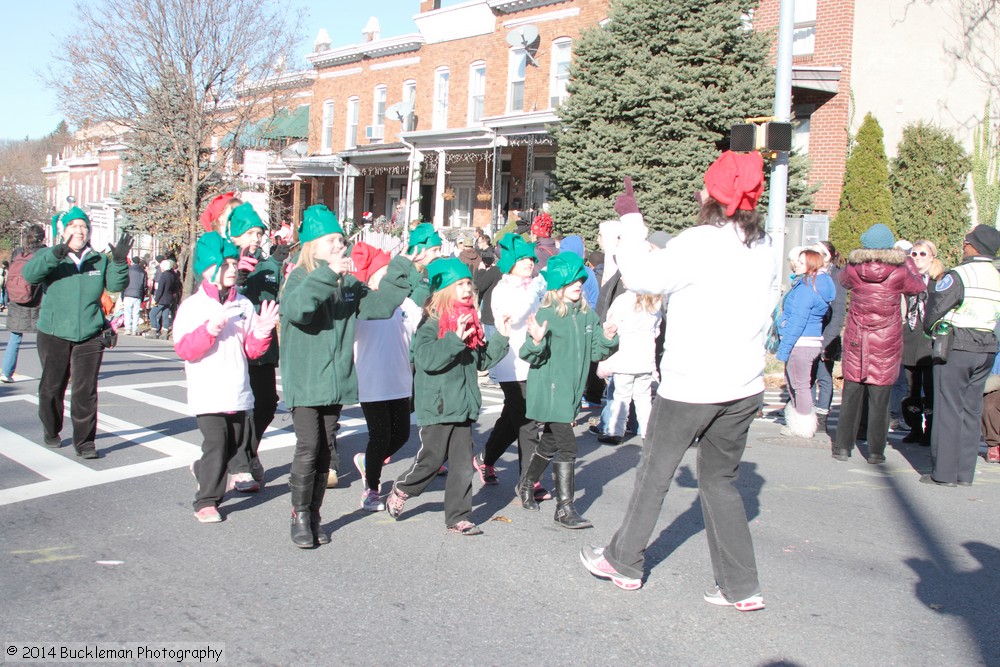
column 591, row 287
column 804, row 308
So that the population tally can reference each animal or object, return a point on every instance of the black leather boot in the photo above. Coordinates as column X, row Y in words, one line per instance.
column 319, row 490
column 566, row 514
column 526, row 486
column 301, row 488
column 821, row 418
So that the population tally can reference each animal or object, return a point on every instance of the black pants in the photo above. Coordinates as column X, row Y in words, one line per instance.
column 512, row 424
column 438, row 443
column 222, row 435
column 558, row 442
column 851, row 403
column 263, row 384
column 388, row 430
column 958, row 411
column 920, row 380
column 62, row 360
column 315, row 440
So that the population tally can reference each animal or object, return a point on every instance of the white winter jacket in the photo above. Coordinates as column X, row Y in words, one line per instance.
column 515, row 298
column 637, row 332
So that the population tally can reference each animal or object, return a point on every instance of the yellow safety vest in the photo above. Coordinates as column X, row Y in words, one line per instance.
column 980, row 308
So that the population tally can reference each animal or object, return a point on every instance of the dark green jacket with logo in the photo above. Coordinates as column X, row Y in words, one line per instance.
column 317, row 314
column 264, row 284
column 446, row 382
column 71, row 309
column 559, row 364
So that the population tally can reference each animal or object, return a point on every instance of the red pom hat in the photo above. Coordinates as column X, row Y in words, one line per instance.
column 214, row 209
column 542, row 226
column 736, row 180
column 367, row 260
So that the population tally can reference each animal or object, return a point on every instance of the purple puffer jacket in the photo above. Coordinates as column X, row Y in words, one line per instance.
column 873, row 335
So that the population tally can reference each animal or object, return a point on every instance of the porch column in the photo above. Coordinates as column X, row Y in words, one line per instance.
column 296, row 208
column 439, row 191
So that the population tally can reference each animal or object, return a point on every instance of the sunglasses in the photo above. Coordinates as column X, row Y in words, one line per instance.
column 920, row 253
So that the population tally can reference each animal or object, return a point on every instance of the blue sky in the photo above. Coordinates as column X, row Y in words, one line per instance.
column 31, row 32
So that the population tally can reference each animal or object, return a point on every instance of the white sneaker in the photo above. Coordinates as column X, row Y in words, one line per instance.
column 6, row 379
column 371, row 502
column 245, row 483
column 752, row 603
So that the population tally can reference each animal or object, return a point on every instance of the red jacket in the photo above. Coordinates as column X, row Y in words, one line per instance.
column 873, row 336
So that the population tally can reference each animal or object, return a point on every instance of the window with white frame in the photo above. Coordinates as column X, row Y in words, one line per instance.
column 327, row 134
column 477, row 91
column 352, row 123
column 804, row 36
column 378, row 114
column 559, row 71
column 410, row 100
column 516, row 64
column 440, row 120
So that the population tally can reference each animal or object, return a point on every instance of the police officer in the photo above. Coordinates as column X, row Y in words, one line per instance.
column 967, row 297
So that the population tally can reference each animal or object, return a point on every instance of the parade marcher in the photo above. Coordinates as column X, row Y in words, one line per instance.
column 833, row 324
column 541, row 236
column 517, row 297
column 917, row 361
column 258, row 278
column 385, row 383
column 216, row 331
column 216, row 214
column 320, row 302
column 448, row 351
column 71, row 325
column 637, row 318
column 133, row 295
column 711, row 374
column 967, row 300
column 801, row 329
column 876, row 276
column 424, row 247
column 591, row 286
column 25, row 300
column 564, row 338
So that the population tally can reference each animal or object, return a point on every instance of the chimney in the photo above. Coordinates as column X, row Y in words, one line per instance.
column 322, row 42
column 429, row 5
column 372, row 30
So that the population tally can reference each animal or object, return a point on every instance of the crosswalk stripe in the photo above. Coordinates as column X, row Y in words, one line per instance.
column 38, row 459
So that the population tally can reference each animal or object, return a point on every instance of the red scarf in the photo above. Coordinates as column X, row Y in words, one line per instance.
column 449, row 322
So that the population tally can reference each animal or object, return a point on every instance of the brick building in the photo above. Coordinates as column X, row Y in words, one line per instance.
column 448, row 124
column 893, row 58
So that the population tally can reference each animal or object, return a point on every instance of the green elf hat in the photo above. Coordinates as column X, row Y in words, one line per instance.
column 513, row 248
column 563, row 269
column 445, row 271
column 211, row 250
column 422, row 237
column 244, row 218
column 60, row 220
column 318, row 221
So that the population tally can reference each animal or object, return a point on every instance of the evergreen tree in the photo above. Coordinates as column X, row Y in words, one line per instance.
column 865, row 199
column 653, row 95
column 929, row 199
column 985, row 172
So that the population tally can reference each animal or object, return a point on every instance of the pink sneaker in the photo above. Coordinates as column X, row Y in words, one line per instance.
column 208, row 515
column 595, row 562
column 752, row 603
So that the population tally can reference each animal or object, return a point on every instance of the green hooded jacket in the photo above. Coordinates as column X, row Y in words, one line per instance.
column 446, row 381
column 264, row 284
column 558, row 366
column 71, row 308
column 317, row 314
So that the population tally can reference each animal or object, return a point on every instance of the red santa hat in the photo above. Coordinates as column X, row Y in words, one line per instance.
column 736, row 180
column 367, row 260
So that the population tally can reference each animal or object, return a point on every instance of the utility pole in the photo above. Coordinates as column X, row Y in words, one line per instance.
column 778, row 195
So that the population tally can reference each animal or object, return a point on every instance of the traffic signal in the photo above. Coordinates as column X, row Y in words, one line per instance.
column 769, row 136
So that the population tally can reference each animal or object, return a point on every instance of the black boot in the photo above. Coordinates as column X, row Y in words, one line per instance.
column 821, row 418
column 566, row 514
column 526, row 486
column 319, row 490
column 301, row 488
column 913, row 415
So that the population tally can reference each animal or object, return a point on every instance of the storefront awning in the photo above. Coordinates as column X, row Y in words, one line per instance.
column 289, row 124
column 819, row 79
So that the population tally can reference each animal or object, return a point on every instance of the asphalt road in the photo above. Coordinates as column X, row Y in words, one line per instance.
column 860, row 564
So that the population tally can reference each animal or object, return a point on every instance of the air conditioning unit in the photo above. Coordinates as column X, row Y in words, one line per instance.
column 375, row 132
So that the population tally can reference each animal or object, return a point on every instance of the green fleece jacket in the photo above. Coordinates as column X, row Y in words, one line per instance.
column 71, row 308
column 420, row 287
column 446, row 382
column 317, row 314
column 264, row 284
column 559, row 364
